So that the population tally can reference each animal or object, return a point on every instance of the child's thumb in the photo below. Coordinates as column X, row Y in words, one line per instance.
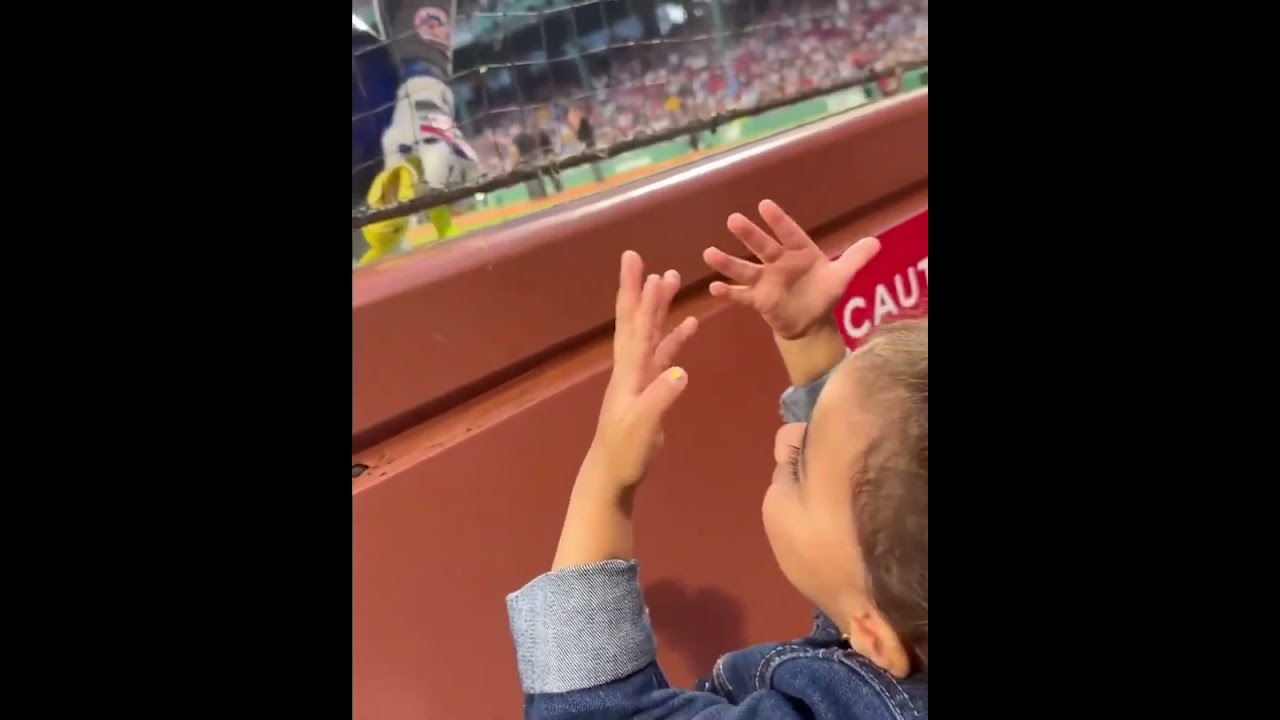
column 661, row 395
column 856, row 257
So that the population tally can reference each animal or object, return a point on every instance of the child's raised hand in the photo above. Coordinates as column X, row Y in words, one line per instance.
column 794, row 286
column 644, row 383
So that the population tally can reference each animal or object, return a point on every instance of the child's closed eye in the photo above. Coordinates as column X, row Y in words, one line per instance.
column 793, row 463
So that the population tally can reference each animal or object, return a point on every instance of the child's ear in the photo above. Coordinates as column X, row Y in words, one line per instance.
column 872, row 637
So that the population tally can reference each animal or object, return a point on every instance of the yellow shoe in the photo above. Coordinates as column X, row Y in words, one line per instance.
column 442, row 220
column 394, row 184
column 441, row 217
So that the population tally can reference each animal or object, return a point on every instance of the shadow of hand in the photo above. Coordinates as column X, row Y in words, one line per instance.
column 699, row 625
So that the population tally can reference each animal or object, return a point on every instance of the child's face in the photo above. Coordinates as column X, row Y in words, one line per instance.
column 808, row 508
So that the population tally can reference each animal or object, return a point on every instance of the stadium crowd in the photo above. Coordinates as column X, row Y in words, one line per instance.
column 690, row 73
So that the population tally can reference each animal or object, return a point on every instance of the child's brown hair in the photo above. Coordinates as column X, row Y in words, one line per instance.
column 892, row 493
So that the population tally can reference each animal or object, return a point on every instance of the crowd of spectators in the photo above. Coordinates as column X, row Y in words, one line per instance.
column 693, row 73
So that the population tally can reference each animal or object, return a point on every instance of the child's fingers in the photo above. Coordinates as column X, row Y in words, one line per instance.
column 855, row 258
column 736, row 269
column 740, row 294
column 642, row 321
column 665, row 354
column 789, row 232
column 631, row 268
column 667, row 289
column 631, row 348
column 756, row 240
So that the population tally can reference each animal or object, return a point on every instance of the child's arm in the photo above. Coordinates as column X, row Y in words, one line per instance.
column 597, row 525
column 584, row 646
column 809, row 362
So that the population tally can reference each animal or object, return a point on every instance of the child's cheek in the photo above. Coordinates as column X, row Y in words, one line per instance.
column 769, row 509
column 778, row 516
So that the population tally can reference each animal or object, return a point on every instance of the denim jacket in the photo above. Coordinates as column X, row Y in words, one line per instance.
column 585, row 651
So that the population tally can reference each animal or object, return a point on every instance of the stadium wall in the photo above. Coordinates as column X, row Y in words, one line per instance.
column 479, row 367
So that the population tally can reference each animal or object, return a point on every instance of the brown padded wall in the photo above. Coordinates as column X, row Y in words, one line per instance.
column 492, row 299
column 460, row 510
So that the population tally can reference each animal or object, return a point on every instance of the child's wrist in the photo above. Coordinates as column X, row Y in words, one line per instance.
column 822, row 329
column 598, row 477
column 811, row 355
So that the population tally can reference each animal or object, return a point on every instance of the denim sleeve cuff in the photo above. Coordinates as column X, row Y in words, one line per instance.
column 798, row 401
column 580, row 627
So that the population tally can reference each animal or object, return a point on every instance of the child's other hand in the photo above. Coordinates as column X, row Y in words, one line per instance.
column 644, row 383
column 794, row 286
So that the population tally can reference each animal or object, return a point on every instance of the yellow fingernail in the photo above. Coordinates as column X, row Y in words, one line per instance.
column 675, row 374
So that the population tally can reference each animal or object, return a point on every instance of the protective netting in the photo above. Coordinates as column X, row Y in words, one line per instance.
column 477, row 94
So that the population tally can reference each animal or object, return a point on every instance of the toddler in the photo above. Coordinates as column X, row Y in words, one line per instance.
column 847, row 513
